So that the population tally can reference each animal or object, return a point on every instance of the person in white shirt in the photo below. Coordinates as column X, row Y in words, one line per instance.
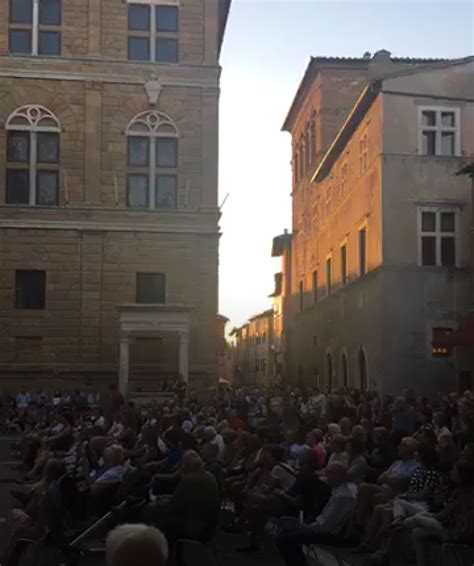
column 329, row 527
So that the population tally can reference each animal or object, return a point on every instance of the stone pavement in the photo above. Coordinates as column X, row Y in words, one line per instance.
column 226, row 544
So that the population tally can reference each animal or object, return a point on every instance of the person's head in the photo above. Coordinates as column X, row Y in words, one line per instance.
column 445, row 438
column 209, row 434
column 381, row 436
column 346, row 426
column 128, row 545
column 314, row 437
column 333, row 429
column 114, row 456
column 209, row 452
column 408, row 448
column 427, row 455
column 336, row 475
column 272, row 455
column 191, row 463
column 359, row 433
column 306, row 462
column 356, row 448
column 439, row 419
column 400, row 403
column 338, row 443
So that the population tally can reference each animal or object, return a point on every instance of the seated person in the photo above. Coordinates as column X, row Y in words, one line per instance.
column 193, row 512
column 330, row 527
column 454, row 523
column 393, row 481
column 358, row 466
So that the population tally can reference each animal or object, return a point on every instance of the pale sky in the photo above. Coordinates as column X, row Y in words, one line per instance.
column 266, row 50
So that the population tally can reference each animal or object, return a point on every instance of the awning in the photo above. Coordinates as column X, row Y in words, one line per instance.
column 463, row 337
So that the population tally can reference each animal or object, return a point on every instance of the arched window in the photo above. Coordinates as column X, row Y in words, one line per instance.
column 152, row 161
column 32, row 156
column 329, row 371
column 344, row 370
column 362, row 370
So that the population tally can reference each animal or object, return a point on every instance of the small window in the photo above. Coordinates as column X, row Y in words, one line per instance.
column 166, row 188
column 151, row 288
column 329, row 275
column 439, row 131
column 363, row 154
column 438, row 237
column 344, row 264
column 35, row 31
column 153, row 33
column 315, row 286
column 301, row 295
column 362, row 251
column 30, row 290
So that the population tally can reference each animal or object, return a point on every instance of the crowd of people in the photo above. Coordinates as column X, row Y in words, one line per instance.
column 344, row 468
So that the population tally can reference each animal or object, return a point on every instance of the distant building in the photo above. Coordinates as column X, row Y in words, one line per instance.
column 108, row 191
column 224, row 352
column 380, row 248
column 254, row 351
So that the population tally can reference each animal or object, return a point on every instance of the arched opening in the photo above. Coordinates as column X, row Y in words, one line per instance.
column 329, row 371
column 362, row 370
column 344, row 370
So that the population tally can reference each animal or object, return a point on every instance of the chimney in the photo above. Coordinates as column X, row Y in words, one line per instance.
column 380, row 64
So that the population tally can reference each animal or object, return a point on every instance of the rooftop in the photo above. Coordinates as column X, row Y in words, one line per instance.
column 318, row 63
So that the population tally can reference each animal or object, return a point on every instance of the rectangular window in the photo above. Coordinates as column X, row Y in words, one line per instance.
column 362, row 251
column 329, row 275
column 344, row 264
column 363, row 154
column 151, row 288
column 343, row 180
column 438, row 230
column 301, row 295
column 18, row 186
column 167, row 152
column 166, row 188
column 153, row 33
column 313, row 138
column 315, row 286
column 439, row 131
column 47, row 188
column 295, row 168
column 35, row 27
column 137, row 191
column 30, row 289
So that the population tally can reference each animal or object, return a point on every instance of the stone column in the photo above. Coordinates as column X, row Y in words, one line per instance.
column 124, row 366
column 184, row 355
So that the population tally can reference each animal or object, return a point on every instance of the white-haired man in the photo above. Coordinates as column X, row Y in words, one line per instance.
column 130, row 545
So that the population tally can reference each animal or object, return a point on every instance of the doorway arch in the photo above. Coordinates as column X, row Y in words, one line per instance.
column 362, row 370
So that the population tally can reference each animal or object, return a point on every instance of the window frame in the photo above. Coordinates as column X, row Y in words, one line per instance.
column 363, row 153
column 438, row 234
column 138, row 274
column 35, row 28
column 153, row 121
column 43, row 273
column 438, row 128
column 364, row 227
column 345, row 263
column 31, row 117
column 329, row 275
column 153, row 34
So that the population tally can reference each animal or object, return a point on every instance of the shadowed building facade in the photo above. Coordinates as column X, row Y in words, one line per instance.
column 108, row 191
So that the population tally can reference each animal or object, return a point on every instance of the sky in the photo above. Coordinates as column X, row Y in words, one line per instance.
column 266, row 50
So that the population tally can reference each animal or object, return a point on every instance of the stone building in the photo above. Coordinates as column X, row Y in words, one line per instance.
column 254, row 351
column 108, row 190
column 380, row 245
